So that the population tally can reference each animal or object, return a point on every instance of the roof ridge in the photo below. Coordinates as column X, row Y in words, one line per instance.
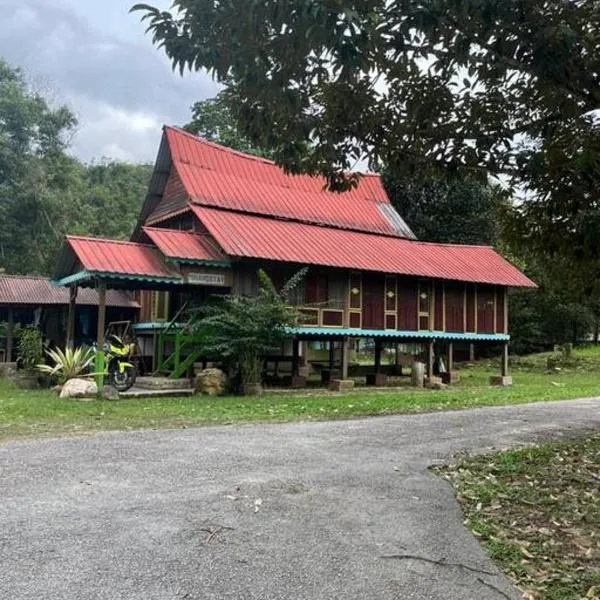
column 194, row 205
column 106, row 240
column 268, row 161
column 17, row 276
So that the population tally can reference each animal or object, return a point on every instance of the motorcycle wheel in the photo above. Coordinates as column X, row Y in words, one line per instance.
column 123, row 381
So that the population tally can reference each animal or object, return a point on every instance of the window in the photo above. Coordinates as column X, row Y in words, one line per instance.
column 424, row 304
column 160, row 306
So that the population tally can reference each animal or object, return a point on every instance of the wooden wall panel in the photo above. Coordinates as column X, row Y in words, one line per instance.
column 501, row 324
column 407, row 304
column 485, row 309
column 174, row 198
column 471, row 293
column 373, row 301
column 439, row 307
column 455, row 312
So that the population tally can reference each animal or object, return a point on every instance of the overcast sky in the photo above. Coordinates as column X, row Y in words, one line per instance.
column 94, row 56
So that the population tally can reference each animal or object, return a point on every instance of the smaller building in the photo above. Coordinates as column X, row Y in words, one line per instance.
column 31, row 300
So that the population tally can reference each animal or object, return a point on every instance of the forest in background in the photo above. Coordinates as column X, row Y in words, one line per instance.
column 46, row 193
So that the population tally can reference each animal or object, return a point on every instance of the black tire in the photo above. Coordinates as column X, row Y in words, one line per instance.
column 122, row 381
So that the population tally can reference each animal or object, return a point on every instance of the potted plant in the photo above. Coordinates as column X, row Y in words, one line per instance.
column 241, row 330
column 29, row 356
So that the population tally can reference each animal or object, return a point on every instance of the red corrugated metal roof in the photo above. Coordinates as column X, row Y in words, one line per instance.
column 184, row 245
column 217, row 176
column 250, row 236
column 112, row 256
column 38, row 291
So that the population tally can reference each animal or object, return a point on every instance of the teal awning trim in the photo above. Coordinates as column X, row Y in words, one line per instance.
column 91, row 275
column 201, row 263
column 335, row 332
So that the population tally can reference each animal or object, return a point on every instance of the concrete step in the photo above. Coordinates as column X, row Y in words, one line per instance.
column 162, row 383
column 136, row 392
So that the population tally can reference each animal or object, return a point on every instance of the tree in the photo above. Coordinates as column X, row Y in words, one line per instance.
column 458, row 212
column 212, row 119
column 409, row 84
column 36, row 175
column 484, row 87
column 241, row 330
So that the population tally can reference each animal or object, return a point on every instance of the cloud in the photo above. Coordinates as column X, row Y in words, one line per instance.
column 119, row 85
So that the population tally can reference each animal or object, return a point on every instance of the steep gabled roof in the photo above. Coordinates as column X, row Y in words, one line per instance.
column 112, row 257
column 220, row 177
column 249, row 236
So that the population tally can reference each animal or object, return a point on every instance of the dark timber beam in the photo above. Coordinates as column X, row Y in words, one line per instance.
column 430, row 358
column 295, row 356
column 100, row 337
column 71, row 317
column 9, row 334
column 344, row 359
column 378, row 348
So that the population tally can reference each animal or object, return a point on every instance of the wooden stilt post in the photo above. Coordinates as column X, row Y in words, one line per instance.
column 295, row 356
column 9, row 335
column 377, row 356
column 504, row 368
column 331, row 355
column 71, row 317
column 344, row 358
column 450, row 365
column 430, row 358
column 100, row 337
column 471, row 352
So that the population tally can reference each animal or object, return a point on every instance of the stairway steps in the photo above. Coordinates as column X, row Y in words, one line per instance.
column 135, row 392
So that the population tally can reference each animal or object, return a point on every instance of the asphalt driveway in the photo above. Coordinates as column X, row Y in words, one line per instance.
column 331, row 510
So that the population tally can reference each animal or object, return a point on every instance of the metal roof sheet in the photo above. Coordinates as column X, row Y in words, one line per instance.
column 185, row 245
column 249, row 236
column 113, row 256
column 217, row 176
column 29, row 290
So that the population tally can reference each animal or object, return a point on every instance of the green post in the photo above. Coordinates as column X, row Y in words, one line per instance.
column 100, row 372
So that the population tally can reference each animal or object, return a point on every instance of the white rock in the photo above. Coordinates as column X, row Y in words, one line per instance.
column 79, row 388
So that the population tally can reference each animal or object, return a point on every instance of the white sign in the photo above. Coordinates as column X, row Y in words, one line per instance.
column 206, row 279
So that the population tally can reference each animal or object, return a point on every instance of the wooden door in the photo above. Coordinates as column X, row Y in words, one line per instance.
column 373, row 301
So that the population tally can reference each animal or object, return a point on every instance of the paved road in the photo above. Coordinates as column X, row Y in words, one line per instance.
column 311, row 511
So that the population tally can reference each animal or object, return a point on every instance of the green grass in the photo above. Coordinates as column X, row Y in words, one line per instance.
column 537, row 512
column 40, row 412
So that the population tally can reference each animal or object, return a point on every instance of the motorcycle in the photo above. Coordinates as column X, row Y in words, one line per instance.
column 121, row 370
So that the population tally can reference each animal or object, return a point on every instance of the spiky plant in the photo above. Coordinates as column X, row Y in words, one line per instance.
column 67, row 364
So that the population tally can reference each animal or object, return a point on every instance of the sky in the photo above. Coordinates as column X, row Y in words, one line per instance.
column 93, row 56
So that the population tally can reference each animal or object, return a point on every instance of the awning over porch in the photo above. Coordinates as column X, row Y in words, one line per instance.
column 391, row 335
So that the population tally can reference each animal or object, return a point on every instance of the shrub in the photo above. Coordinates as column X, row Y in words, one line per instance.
column 30, row 346
column 67, row 364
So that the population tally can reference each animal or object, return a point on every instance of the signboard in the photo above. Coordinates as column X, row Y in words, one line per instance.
column 216, row 279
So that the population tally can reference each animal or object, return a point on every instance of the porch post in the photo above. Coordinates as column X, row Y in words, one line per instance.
column 71, row 318
column 9, row 335
column 344, row 358
column 100, row 337
column 504, row 380
column 430, row 358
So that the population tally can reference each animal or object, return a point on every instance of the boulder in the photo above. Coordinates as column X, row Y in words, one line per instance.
column 437, row 385
column 211, row 382
column 8, row 369
column 79, row 388
column 110, row 393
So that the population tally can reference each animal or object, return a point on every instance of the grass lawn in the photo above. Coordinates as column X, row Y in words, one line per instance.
column 537, row 512
column 33, row 413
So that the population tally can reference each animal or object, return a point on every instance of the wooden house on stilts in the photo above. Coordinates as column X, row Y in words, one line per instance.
column 213, row 216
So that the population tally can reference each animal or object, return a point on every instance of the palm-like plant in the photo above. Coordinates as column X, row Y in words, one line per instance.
column 67, row 364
